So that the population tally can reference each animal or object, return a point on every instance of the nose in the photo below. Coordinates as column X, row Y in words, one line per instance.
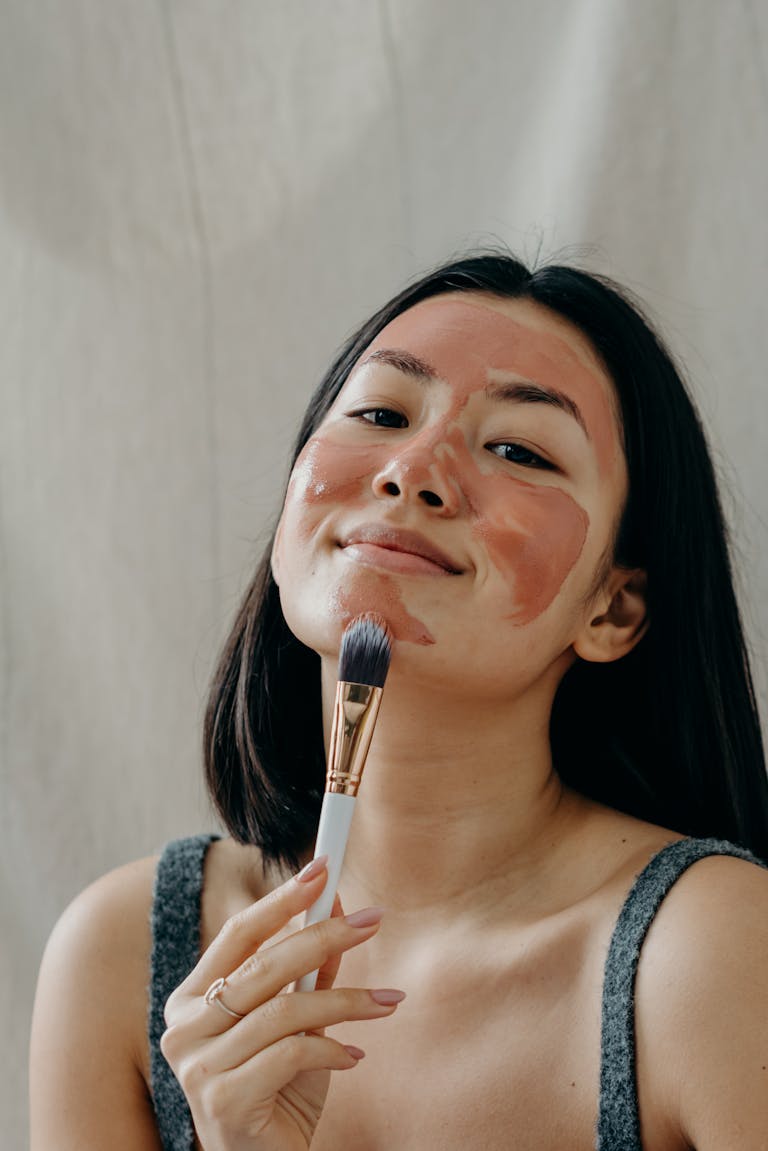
column 418, row 474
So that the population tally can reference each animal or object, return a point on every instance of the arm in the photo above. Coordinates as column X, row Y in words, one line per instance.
column 88, row 1047
column 255, row 1078
column 704, row 1005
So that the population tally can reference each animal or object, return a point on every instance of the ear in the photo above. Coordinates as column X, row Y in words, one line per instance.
column 621, row 620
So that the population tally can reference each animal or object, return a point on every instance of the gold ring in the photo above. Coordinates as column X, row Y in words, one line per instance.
column 213, row 995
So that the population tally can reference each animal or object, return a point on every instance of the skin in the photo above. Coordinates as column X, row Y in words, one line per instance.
column 501, row 887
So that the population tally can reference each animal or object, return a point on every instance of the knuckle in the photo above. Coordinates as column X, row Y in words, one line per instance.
column 170, row 1010
column 293, row 1048
column 169, row 1044
column 215, row 1096
column 234, row 925
column 357, row 1001
column 273, row 898
column 276, row 1010
column 257, row 966
column 192, row 1076
column 327, row 935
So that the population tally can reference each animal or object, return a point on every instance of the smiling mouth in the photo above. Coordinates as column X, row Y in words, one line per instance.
column 397, row 549
column 392, row 559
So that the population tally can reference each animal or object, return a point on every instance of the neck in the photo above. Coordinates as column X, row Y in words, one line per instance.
column 464, row 824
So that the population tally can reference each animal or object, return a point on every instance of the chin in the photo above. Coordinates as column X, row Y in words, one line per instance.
column 317, row 630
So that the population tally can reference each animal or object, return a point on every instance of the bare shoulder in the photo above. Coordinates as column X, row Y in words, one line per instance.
column 121, row 899
column 104, row 936
column 702, row 1004
column 89, row 1021
column 715, row 896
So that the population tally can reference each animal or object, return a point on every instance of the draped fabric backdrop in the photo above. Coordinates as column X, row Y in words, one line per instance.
column 198, row 201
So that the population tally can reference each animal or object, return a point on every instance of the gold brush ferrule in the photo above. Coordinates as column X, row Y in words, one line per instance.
column 354, row 718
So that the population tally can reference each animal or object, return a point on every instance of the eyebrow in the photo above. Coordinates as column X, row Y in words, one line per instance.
column 528, row 392
column 404, row 362
column 522, row 392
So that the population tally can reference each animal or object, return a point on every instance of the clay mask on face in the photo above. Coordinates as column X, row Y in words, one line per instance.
column 532, row 532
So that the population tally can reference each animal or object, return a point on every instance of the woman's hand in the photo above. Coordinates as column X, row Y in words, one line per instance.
column 256, row 1083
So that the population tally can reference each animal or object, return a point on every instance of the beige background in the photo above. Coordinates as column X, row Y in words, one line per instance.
column 197, row 202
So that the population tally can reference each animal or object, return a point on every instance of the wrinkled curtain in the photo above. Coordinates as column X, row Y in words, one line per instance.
column 197, row 202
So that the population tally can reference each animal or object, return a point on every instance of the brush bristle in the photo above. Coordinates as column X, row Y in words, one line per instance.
column 366, row 649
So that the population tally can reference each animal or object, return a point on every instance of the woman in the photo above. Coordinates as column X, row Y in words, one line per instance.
column 507, row 467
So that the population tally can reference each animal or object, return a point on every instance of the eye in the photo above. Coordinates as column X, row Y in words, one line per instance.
column 517, row 454
column 381, row 417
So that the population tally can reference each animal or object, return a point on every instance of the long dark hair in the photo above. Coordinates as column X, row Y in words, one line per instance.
column 670, row 733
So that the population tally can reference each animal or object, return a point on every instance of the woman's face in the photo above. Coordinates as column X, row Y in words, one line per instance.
column 465, row 485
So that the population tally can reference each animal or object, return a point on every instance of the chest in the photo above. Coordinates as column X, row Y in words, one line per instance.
column 505, row 1056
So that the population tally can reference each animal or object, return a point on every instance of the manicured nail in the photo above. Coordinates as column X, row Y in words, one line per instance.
column 365, row 918
column 387, row 996
column 355, row 1052
column 312, row 869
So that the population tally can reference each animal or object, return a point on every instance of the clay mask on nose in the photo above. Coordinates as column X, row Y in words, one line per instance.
column 422, row 468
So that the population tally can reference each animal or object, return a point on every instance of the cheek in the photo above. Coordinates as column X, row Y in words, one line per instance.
column 323, row 474
column 534, row 539
column 533, row 534
column 326, row 471
column 328, row 474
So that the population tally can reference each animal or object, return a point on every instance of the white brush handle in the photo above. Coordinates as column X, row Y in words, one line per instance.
column 332, row 835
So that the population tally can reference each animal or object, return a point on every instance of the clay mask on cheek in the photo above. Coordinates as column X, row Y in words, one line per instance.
column 533, row 533
column 325, row 472
column 536, row 546
column 338, row 474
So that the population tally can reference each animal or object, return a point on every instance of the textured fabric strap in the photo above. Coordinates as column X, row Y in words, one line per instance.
column 618, row 1126
column 175, row 951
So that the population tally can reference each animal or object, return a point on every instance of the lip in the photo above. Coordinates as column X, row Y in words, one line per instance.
column 399, row 540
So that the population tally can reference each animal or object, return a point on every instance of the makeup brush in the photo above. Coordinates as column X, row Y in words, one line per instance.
column 366, row 648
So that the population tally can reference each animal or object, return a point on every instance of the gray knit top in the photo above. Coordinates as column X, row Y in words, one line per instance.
column 176, row 949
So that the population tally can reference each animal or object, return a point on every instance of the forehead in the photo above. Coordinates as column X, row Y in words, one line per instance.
column 480, row 332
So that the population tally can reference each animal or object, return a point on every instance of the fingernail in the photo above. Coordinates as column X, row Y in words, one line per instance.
column 387, row 996
column 365, row 918
column 355, row 1052
column 312, row 869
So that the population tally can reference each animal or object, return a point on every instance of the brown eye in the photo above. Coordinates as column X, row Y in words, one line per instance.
column 517, row 454
column 382, row 417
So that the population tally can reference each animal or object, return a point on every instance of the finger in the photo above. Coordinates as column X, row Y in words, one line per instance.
column 266, row 1073
column 243, row 933
column 330, row 969
column 270, row 970
column 321, row 945
column 294, row 1013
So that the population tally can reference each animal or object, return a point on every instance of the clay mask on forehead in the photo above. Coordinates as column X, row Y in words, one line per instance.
column 532, row 532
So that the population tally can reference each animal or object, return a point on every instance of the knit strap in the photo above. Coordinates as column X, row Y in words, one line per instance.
column 618, row 1126
column 175, row 951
